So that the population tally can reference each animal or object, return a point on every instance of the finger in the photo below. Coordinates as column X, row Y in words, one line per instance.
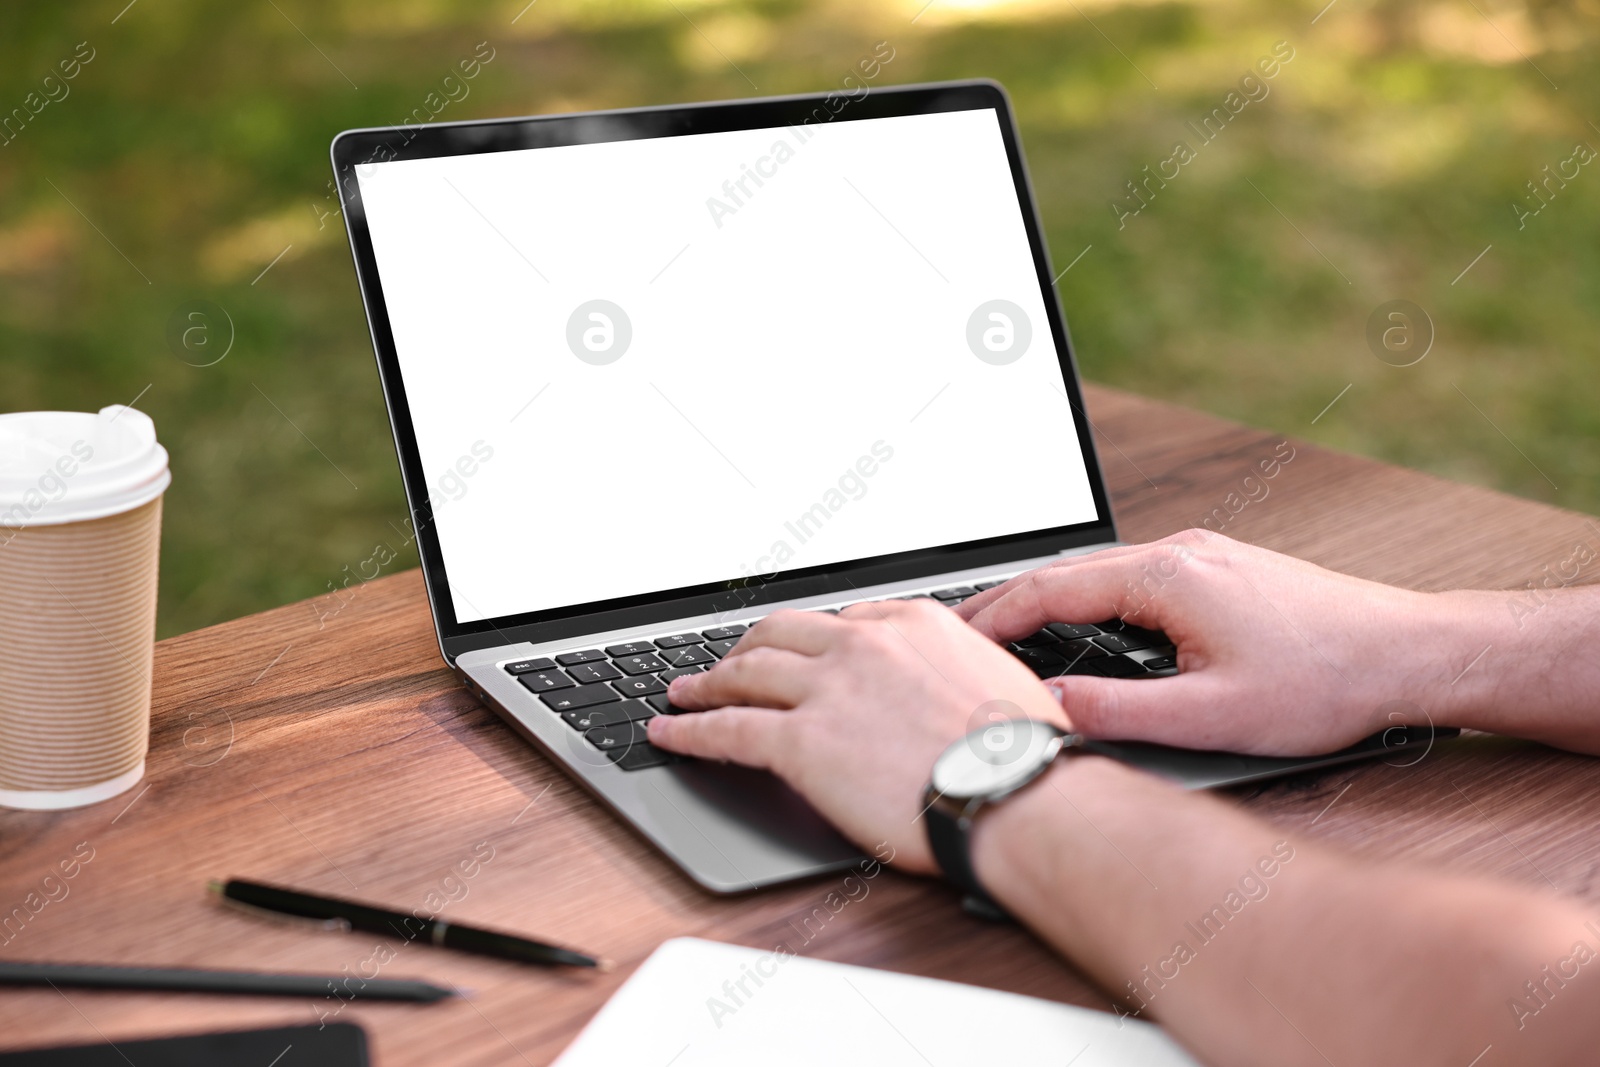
column 898, row 615
column 1087, row 592
column 763, row 677
column 808, row 632
column 752, row 736
column 1091, row 591
column 892, row 608
column 973, row 604
column 879, row 610
column 1185, row 710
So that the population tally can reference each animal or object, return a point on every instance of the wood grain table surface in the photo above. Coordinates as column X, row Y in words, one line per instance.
column 324, row 744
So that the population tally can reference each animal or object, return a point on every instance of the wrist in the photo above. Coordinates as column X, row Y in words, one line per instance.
column 1022, row 848
column 1515, row 663
column 1457, row 642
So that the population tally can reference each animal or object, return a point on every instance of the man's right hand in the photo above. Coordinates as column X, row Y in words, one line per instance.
column 1276, row 656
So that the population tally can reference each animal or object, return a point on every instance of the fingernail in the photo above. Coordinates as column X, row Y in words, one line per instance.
column 654, row 727
column 676, row 683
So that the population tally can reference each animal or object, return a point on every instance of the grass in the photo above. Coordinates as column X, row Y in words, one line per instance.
column 191, row 152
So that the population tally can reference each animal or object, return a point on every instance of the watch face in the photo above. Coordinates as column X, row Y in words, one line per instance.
column 995, row 759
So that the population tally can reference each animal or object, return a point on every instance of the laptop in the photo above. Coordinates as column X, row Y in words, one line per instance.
column 656, row 373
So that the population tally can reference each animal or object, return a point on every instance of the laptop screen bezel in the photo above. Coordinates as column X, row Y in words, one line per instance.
column 354, row 147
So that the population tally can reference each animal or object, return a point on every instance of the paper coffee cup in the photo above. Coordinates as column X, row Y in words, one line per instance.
column 80, row 534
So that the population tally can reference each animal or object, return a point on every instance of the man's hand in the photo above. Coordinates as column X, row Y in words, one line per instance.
column 1276, row 656
column 853, row 710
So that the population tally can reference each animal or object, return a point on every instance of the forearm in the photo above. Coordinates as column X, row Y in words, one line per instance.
column 1165, row 897
column 1516, row 662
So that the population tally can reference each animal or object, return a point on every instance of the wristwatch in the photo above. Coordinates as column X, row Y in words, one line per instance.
column 987, row 765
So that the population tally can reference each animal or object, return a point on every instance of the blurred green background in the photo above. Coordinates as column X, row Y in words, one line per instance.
column 188, row 161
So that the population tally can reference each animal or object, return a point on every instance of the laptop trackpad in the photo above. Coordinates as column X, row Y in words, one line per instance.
column 762, row 802
column 733, row 828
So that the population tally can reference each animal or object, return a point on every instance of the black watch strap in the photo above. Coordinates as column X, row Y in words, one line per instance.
column 949, row 825
column 949, row 822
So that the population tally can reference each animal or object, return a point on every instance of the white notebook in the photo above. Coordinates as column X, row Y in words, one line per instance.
column 685, row 1006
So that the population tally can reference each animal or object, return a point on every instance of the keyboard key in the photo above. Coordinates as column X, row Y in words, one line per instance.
column 644, row 664
column 663, row 706
column 1035, row 640
column 609, row 715
column 639, row 757
column 581, row 697
column 959, row 593
column 679, row 640
column 1120, row 643
column 544, row 681
column 678, row 672
column 641, row 686
column 1079, row 657
column 687, row 656
column 981, row 586
column 1081, row 649
column 588, row 655
column 525, row 666
column 1111, row 626
column 1118, row 667
column 722, row 633
column 1160, row 663
column 1045, row 663
column 621, row 735
column 631, row 648
column 1082, row 666
column 720, row 648
column 594, row 672
column 1068, row 631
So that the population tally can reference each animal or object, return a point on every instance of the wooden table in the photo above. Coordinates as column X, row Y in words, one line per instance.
column 325, row 744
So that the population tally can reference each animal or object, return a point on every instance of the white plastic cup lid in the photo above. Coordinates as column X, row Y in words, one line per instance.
column 71, row 466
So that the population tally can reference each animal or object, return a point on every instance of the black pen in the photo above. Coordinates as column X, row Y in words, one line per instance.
column 433, row 931
column 191, row 980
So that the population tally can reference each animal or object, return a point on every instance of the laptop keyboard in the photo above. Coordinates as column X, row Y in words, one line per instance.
column 610, row 693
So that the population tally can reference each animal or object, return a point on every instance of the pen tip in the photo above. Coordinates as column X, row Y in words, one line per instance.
column 214, row 886
column 604, row 965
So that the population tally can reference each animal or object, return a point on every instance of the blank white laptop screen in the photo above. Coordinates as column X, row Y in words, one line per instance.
column 654, row 364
